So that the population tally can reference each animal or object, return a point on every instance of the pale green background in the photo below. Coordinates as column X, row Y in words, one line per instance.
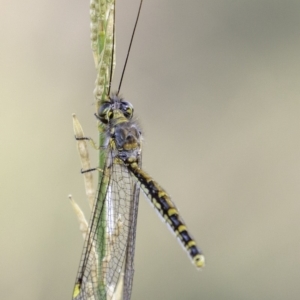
column 216, row 85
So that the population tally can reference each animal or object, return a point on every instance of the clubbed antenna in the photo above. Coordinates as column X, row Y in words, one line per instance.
column 129, row 48
column 112, row 53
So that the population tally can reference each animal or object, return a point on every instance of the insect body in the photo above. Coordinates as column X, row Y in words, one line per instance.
column 107, row 263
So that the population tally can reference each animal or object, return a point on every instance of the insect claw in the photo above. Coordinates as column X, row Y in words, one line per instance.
column 88, row 170
column 82, row 138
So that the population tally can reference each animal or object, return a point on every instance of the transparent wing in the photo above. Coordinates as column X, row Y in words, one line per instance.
column 129, row 263
column 113, row 220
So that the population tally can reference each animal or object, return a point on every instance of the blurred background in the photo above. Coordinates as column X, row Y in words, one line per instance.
column 216, row 87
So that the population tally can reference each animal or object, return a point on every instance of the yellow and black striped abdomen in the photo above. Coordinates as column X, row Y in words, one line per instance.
column 162, row 202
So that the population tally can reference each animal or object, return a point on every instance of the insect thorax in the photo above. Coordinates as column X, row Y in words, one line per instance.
column 127, row 139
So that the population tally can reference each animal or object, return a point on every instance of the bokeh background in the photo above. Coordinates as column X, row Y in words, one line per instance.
column 216, row 87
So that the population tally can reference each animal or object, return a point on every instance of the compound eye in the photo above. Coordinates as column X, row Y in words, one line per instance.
column 127, row 109
column 105, row 113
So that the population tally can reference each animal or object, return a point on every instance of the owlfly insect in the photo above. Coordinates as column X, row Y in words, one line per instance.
column 107, row 261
